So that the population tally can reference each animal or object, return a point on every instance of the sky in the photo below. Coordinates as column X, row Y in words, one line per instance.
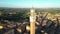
column 30, row 3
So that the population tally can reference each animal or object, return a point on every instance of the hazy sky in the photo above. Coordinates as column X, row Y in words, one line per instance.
column 30, row 3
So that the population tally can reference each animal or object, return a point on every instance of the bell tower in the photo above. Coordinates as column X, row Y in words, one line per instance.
column 32, row 20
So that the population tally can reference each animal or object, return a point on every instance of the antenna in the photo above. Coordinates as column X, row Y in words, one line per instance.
column 32, row 6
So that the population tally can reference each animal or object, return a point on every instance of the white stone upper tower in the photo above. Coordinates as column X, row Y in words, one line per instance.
column 32, row 15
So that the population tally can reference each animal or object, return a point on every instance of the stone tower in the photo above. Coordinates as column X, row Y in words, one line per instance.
column 32, row 20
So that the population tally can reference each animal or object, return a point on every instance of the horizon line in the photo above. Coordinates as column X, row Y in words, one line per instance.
column 29, row 7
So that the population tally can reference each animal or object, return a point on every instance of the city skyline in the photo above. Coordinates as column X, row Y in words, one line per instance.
column 30, row 3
